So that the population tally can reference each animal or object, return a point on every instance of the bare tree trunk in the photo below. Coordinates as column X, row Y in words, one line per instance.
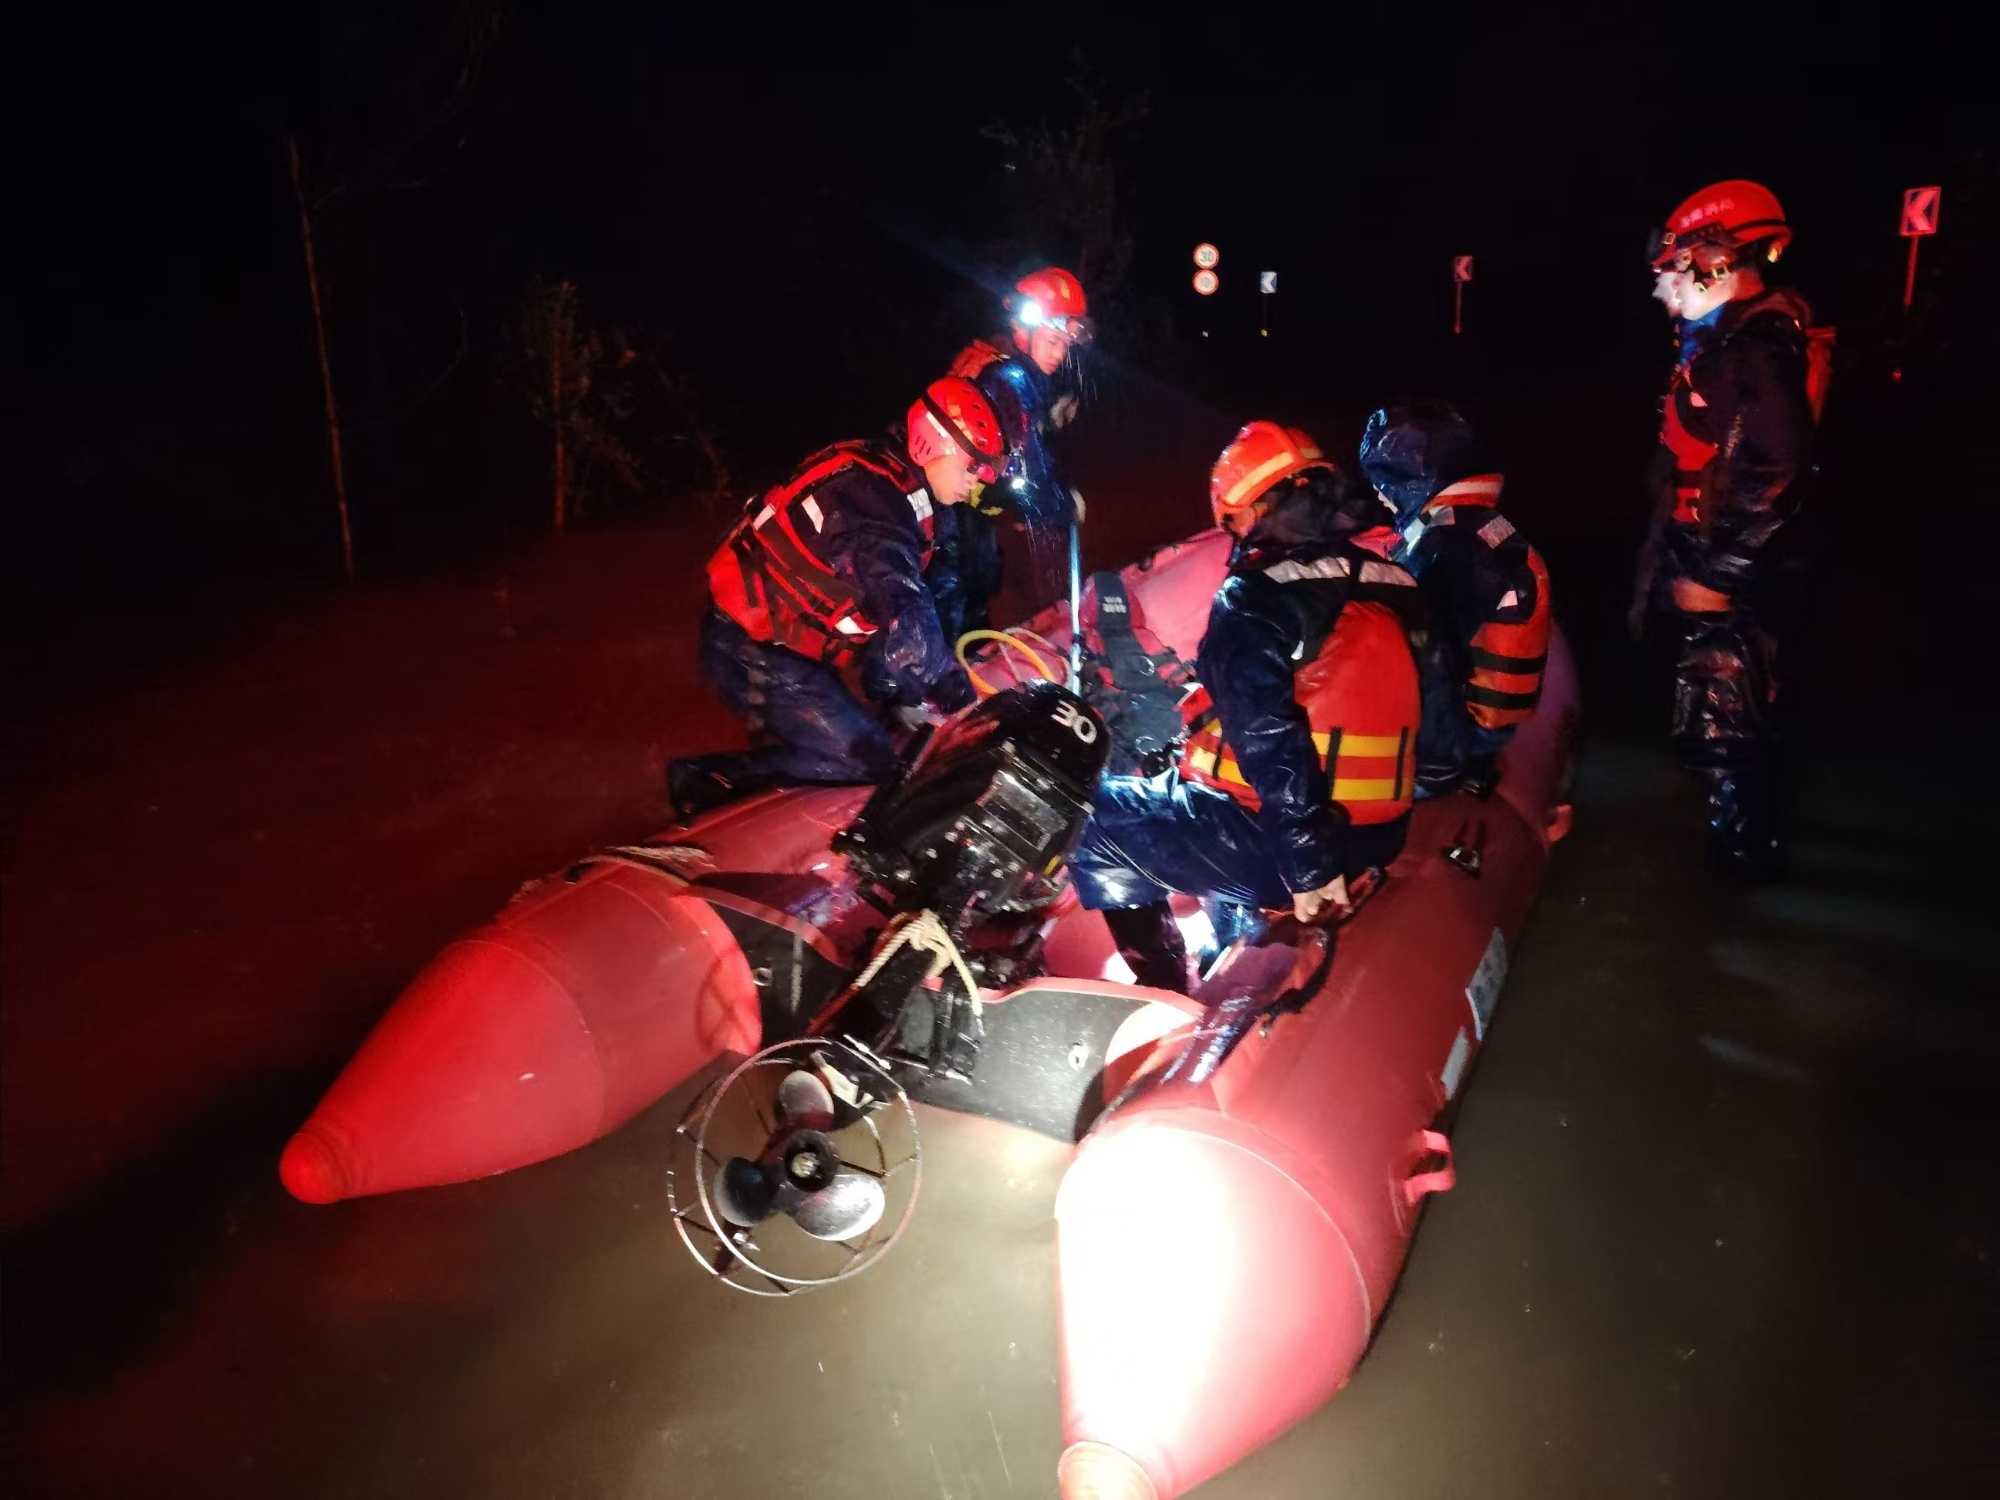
column 325, row 365
column 558, row 337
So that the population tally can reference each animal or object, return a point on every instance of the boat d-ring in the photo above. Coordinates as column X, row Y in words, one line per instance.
column 1467, row 854
column 1441, row 1179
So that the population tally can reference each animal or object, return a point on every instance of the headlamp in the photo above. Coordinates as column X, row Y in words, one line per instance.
column 1030, row 314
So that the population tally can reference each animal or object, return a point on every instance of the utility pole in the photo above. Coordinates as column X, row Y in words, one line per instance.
column 325, row 365
column 558, row 336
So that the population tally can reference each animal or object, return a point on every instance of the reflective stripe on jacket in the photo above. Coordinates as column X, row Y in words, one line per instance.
column 1505, row 658
column 770, row 578
column 1359, row 692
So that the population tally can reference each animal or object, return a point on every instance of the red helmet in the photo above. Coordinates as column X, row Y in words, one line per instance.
column 953, row 413
column 1260, row 455
column 1051, row 298
column 1708, row 229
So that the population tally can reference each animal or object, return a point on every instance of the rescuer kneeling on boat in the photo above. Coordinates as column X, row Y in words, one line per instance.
column 826, row 572
column 1485, row 590
column 1298, row 767
column 1018, row 372
column 1736, row 440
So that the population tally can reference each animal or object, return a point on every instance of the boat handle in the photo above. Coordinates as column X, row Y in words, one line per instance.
column 1416, row 1186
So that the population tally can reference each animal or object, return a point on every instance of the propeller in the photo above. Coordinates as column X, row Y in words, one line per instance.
column 800, row 1174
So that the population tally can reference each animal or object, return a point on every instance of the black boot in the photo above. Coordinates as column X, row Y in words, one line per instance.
column 1231, row 923
column 1742, row 826
column 1150, row 942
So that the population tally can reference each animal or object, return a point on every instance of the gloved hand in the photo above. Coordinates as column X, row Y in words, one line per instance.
column 910, row 717
column 1062, row 411
column 1330, row 900
column 1076, row 497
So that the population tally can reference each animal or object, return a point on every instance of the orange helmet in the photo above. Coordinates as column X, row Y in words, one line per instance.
column 1051, row 298
column 1260, row 455
column 1708, row 230
column 954, row 413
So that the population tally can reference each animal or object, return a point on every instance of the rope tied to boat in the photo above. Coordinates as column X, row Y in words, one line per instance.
column 924, row 932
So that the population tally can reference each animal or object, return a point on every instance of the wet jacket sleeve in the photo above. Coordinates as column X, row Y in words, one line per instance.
column 874, row 538
column 1756, row 383
column 1247, row 658
column 1022, row 407
column 965, row 570
column 949, row 587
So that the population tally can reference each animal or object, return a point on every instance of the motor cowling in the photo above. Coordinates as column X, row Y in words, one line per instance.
column 991, row 805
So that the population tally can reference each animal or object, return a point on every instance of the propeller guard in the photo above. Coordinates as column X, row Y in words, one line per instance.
column 736, row 1125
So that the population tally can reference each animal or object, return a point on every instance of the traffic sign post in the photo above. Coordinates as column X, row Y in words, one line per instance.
column 1461, row 272
column 1920, row 220
column 1206, row 281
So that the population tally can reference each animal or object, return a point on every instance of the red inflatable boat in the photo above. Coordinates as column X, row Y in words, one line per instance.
column 1277, row 1130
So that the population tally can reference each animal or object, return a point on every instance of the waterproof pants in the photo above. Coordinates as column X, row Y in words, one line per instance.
column 1149, row 836
column 805, row 726
column 1725, row 730
column 1449, row 743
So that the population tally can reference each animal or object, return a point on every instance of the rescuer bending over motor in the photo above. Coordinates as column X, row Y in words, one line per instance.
column 1017, row 373
column 826, row 572
column 1485, row 590
column 1737, row 438
column 1298, row 768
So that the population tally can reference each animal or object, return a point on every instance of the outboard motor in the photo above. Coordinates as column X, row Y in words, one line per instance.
column 800, row 1168
column 985, row 813
column 991, row 805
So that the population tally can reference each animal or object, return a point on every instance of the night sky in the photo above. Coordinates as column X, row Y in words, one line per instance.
column 803, row 246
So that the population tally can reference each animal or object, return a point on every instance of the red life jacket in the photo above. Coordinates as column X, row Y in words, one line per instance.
column 1508, row 657
column 1692, row 454
column 1361, row 699
column 767, row 577
column 973, row 358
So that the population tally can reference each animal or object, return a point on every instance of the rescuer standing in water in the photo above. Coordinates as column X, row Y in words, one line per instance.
column 826, row 572
column 1485, row 589
column 1299, row 764
column 1737, row 438
column 1018, row 374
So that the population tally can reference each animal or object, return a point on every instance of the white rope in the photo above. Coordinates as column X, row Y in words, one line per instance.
column 683, row 859
column 924, row 932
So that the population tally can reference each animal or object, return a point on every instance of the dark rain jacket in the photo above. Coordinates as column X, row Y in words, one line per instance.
column 965, row 571
column 1259, row 633
column 875, row 533
column 1023, row 398
column 1740, row 398
column 1473, row 577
